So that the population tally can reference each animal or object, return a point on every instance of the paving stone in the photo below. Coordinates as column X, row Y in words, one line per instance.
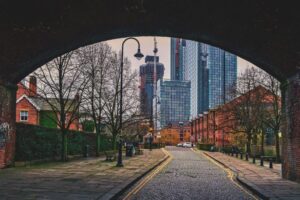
column 84, row 179
column 265, row 180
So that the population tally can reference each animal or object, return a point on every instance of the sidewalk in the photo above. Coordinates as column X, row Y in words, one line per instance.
column 266, row 183
column 91, row 178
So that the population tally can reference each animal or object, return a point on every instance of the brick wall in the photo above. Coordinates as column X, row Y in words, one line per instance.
column 22, row 90
column 7, row 124
column 291, row 129
column 25, row 105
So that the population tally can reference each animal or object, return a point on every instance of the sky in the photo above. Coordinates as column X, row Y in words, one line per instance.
column 163, row 45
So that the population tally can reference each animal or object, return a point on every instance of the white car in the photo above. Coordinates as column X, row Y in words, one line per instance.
column 187, row 145
column 180, row 145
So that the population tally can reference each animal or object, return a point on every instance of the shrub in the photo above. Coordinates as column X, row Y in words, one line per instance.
column 36, row 142
column 205, row 147
column 154, row 145
column 227, row 149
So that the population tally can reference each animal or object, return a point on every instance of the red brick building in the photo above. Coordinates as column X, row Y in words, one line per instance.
column 32, row 109
column 175, row 134
column 218, row 125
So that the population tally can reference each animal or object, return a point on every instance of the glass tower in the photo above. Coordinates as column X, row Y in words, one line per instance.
column 222, row 75
column 212, row 72
column 196, row 70
column 177, row 58
column 173, row 102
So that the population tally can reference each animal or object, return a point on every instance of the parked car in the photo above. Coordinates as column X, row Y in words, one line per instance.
column 187, row 145
column 180, row 145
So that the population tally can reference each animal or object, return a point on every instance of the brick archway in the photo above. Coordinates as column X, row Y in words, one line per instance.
column 34, row 32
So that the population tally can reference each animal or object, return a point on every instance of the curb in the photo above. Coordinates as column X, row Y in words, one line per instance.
column 241, row 180
column 120, row 190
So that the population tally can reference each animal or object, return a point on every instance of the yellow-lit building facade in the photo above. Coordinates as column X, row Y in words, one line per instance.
column 173, row 135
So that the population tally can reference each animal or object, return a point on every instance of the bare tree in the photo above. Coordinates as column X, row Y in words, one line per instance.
column 112, row 94
column 272, row 118
column 244, row 114
column 61, row 86
column 96, row 60
column 135, row 129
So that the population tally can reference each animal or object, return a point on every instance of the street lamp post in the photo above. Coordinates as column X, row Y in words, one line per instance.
column 138, row 55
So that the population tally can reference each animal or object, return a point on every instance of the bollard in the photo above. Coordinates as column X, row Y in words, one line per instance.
column 231, row 153
column 247, row 157
column 253, row 160
column 271, row 163
column 261, row 161
column 241, row 156
column 237, row 155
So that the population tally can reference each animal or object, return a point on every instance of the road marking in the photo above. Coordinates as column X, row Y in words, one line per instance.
column 229, row 173
column 145, row 180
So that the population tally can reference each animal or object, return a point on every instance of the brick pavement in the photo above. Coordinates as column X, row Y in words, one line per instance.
column 261, row 180
column 92, row 178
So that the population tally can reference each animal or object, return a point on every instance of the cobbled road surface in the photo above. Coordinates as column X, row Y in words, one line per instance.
column 191, row 175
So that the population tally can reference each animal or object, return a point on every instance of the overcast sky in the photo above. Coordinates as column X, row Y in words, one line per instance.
column 163, row 44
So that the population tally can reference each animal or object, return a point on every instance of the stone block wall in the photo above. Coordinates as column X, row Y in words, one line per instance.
column 7, row 124
column 291, row 129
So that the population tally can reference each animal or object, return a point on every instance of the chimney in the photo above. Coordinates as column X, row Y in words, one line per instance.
column 32, row 86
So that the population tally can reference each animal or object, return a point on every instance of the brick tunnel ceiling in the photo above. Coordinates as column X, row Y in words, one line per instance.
column 34, row 32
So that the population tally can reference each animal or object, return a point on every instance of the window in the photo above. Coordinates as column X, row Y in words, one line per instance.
column 23, row 115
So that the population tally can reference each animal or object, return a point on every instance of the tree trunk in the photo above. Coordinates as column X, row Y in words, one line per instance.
column 98, row 140
column 277, row 146
column 64, row 146
column 262, row 153
column 114, row 141
column 248, row 148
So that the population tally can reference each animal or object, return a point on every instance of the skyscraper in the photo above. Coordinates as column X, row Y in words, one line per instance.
column 174, row 102
column 197, row 72
column 222, row 75
column 212, row 72
column 146, row 83
column 177, row 58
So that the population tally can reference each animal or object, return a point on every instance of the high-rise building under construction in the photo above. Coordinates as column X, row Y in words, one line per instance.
column 146, row 84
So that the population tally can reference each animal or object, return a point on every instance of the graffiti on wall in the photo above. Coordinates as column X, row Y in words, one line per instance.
column 4, row 134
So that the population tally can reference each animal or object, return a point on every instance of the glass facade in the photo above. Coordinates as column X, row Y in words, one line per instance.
column 196, row 70
column 203, row 65
column 222, row 75
column 173, row 102
column 177, row 58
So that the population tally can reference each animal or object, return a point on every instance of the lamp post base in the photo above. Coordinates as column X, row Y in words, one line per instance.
column 119, row 165
column 120, row 160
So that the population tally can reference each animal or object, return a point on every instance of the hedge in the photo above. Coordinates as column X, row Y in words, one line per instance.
column 205, row 147
column 154, row 145
column 36, row 142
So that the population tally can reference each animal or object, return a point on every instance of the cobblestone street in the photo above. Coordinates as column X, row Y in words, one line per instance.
column 191, row 176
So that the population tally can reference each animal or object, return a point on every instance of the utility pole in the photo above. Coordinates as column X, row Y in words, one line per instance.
column 155, row 50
